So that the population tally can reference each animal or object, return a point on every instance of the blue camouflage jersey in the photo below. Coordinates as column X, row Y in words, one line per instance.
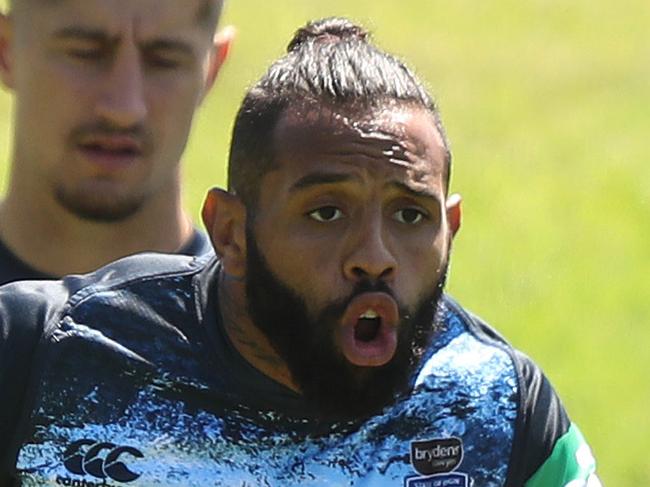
column 133, row 382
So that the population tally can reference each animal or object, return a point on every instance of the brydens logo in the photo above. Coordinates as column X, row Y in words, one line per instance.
column 429, row 457
column 102, row 460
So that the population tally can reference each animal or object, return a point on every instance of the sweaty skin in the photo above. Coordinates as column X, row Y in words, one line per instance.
column 352, row 197
column 402, row 154
column 382, row 135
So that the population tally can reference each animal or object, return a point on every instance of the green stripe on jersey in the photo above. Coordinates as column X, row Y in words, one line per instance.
column 571, row 464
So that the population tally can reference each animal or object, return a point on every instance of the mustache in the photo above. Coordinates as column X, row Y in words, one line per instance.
column 337, row 308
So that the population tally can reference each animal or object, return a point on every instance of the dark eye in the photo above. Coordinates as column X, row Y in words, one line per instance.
column 86, row 54
column 410, row 216
column 326, row 214
column 163, row 61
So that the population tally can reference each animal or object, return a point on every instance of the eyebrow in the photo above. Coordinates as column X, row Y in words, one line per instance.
column 76, row 32
column 318, row 179
column 416, row 193
column 99, row 36
column 324, row 178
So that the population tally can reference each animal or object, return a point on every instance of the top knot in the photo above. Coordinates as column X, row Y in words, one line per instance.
column 331, row 29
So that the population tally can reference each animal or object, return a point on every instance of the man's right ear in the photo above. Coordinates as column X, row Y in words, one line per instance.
column 224, row 217
column 6, row 56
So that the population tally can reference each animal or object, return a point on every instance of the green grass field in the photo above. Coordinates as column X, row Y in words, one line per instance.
column 546, row 105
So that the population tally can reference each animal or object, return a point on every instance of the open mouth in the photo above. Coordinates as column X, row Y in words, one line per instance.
column 368, row 335
column 367, row 327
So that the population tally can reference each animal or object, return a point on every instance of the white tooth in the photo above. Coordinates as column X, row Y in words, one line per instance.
column 370, row 314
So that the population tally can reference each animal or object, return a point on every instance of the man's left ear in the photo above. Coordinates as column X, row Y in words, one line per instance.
column 454, row 213
column 219, row 53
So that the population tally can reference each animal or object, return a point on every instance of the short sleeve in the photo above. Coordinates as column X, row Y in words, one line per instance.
column 549, row 450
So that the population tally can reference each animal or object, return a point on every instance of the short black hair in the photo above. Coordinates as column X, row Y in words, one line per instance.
column 329, row 61
column 208, row 13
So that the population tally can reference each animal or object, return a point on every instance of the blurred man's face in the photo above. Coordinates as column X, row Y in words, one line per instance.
column 105, row 95
column 347, row 251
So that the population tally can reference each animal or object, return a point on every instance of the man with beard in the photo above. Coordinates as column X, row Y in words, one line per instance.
column 106, row 91
column 318, row 347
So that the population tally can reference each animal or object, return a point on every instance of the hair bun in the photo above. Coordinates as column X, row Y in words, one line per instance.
column 331, row 29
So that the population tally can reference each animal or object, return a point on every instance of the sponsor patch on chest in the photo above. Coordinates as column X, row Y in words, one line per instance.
column 435, row 460
column 105, row 461
column 439, row 455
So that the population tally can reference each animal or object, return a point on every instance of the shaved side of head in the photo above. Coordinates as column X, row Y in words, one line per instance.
column 209, row 12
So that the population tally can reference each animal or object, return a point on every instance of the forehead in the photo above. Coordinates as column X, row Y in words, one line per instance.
column 392, row 142
column 115, row 16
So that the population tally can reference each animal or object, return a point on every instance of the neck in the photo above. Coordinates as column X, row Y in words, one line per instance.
column 50, row 239
column 247, row 339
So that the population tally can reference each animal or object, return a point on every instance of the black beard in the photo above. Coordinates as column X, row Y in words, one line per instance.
column 331, row 385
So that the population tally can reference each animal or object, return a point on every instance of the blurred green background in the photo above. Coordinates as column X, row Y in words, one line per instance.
column 546, row 103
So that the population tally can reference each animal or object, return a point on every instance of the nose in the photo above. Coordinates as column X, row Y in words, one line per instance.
column 370, row 255
column 122, row 100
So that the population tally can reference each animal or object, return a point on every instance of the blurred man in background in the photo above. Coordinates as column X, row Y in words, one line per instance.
column 105, row 93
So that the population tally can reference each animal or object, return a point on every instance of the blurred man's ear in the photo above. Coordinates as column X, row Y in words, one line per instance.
column 224, row 217
column 6, row 57
column 454, row 213
column 220, row 49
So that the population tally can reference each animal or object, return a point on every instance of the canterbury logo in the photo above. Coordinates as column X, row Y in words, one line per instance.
column 101, row 460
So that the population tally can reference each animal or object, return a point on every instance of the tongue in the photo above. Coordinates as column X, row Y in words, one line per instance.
column 366, row 329
column 369, row 342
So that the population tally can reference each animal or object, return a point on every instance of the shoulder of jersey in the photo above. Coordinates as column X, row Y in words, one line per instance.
column 138, row 267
